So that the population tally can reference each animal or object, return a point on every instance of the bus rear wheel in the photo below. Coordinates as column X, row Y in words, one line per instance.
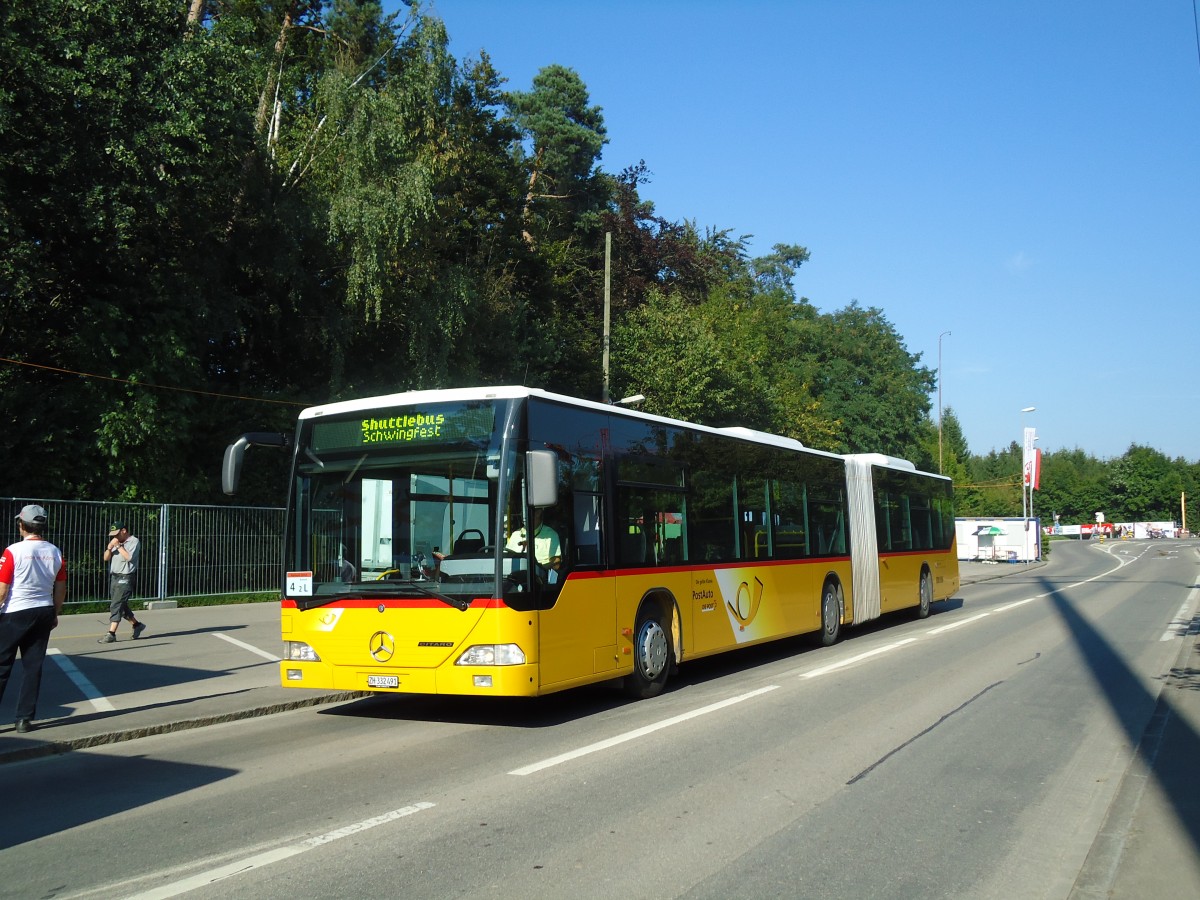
column 831, row 615
column 926, row 596
column 651, row 658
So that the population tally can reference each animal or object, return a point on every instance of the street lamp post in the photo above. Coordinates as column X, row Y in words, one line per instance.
column 940, row 336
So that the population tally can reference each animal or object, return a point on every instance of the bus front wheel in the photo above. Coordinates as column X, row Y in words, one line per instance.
column 651, row 658
column 831, row 615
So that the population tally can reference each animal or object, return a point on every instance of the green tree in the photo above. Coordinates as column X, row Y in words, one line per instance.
column 649, row 252
column 1143, row 486
column 224, row 209
column 995, row 483
column 1072, row 486
column 563, row 135
column 564, row 196
column 121, row 139
column 946, row 453
column 865, row 379
column 731, row 356
column 406, row 159
column 672, row 356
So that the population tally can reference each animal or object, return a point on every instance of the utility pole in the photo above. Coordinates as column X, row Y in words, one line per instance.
column 940, row 336
column 607, row 307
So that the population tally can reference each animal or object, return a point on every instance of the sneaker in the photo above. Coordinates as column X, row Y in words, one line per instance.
column 108, row 638
column 138, row 628
column 24, row 726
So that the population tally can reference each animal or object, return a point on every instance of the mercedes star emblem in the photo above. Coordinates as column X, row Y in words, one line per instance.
column 382, row 646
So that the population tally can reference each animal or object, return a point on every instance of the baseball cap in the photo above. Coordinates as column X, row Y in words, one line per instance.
column 114, row 528
column 32, row 515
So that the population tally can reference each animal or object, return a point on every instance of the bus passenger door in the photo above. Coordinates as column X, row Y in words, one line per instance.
column 577, row 635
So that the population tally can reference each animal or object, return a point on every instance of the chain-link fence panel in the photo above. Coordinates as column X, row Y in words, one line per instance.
column 186, row 551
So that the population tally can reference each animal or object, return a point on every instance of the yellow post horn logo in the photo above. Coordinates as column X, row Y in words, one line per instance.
column 746, row 604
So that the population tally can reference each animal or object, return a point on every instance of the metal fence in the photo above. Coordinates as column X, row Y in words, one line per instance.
column 186, row 551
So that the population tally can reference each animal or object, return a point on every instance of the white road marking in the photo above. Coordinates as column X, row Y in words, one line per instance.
column 1182, row 623
column 638, row 732
column 99, row 702
column 260, row 860
column 833, row 667
column 1007, row 606
column 958, row 623
column 815, row 673
column 263, row 653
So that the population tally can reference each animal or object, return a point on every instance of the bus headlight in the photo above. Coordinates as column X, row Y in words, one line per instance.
column 492, row 655
column 298, row 651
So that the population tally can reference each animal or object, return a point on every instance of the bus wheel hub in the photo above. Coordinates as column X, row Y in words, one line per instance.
column 652, row 649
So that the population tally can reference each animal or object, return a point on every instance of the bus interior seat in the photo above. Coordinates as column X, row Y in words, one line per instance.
column 673, row 550
column 633, row 546
column 469, row 541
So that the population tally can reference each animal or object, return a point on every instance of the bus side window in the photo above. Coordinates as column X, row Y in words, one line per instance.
column 754, row 541
column 587, row 529
column 787, row 507
column 712, row 532
column 665, row 509
column 633, row 545
column 673, row 551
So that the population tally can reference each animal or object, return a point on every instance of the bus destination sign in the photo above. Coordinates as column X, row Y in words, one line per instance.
column 389, row 428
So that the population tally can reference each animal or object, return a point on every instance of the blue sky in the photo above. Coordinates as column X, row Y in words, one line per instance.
column 1024, row 175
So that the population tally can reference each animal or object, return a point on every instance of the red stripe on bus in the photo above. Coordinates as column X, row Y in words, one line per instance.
column 929, row 553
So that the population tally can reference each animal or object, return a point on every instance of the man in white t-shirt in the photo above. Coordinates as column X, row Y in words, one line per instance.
column 33, row 586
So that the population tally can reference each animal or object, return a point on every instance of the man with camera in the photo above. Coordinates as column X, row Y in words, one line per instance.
column 122, row 554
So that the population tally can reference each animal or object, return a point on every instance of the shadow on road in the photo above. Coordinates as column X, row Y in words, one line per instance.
column 580, row 702
column 39, row 802
column 1168, row 746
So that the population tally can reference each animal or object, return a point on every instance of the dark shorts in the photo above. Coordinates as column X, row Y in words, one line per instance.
column 120, row 589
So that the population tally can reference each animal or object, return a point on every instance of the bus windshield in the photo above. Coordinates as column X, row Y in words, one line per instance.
column 406, row 502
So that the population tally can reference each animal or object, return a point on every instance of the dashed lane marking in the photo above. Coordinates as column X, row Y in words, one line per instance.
column 263, row 653
column 260, row 860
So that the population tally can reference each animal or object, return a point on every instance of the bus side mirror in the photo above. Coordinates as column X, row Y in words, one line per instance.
column 541, row 478
column 231, row 466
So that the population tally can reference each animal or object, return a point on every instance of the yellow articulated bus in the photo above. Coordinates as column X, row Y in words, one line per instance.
column 509, row 541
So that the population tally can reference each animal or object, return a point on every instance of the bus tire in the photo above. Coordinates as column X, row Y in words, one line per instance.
column 651, row 657
column 926, row 595
column 831, row 615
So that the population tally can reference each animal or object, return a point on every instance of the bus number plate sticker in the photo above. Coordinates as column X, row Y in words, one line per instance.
column 299, row 584
column 383, row 681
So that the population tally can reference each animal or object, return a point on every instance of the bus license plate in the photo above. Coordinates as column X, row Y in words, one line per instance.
column 383, row 681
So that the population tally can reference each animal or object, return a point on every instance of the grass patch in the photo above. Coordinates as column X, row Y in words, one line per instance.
column 86, row 607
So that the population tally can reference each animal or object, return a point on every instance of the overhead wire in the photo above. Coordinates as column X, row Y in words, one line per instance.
column 146, row 384
column 1007, row 482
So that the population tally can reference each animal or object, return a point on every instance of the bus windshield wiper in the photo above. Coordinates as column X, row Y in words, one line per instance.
column 456, row 602
column 404, row 584
column 363, row 588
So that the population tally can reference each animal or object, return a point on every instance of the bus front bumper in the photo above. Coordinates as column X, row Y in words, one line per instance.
column 506, row 681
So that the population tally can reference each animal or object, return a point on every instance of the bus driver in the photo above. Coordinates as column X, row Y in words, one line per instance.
column 547, row 551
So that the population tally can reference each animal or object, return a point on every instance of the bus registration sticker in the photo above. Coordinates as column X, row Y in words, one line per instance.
column 299, row 584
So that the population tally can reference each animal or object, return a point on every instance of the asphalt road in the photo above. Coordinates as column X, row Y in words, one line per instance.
column 1012, row 745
